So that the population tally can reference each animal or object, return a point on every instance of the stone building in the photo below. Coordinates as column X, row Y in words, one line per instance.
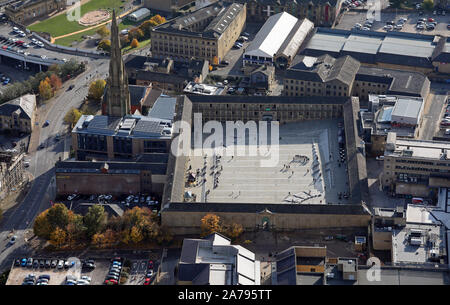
column 208, row 33
column 164, row 73
column 18, row 116
column 144, row 175
column 415, row 167
column 262, row 79
column 166, row 5
column 321, row 76
column 277, row 108
column 11, row 171
column 320, row 12
column 345, row 76
column 25, row 11
column 184, row 218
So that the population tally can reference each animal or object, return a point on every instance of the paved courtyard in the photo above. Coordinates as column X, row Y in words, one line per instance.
column 308, row 170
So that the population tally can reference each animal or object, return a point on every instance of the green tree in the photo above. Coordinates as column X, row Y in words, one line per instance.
column 94, row 220
column 72, row 116
column 96, row 89
column 428, row 5
column 58, row 216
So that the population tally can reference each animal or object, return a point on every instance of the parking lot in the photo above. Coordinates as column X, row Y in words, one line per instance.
column 350, row 18
column 57, row 275
column 117, row 203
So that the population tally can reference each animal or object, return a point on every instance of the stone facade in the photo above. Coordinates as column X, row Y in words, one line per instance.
column 23, row 12
column 11, row 172
column 116, row 101
column 18, row 116
column 200, row 40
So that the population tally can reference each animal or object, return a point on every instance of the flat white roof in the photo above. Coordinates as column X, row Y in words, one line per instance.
column 272, row 35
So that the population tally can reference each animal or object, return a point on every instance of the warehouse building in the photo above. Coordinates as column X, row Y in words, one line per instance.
column 278, row 41
column 395, row 50
column 208, row 33
column 345, row 76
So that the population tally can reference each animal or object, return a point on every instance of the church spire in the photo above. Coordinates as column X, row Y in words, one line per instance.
column 117, row 98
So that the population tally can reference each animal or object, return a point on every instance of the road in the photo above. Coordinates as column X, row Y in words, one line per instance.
column 20, row 218
column 433, row 111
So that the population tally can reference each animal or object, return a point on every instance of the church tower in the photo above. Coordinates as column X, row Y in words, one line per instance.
column 116, row 101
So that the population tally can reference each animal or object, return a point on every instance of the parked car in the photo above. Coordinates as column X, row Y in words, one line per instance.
column 29, row 262
column 23, row 262
column 54, row 263
column 12, row 241
column 60, row 264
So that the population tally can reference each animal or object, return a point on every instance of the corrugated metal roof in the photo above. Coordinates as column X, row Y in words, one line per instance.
column 272, row 35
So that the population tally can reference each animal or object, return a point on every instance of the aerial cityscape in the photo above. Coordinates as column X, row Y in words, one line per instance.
column 224, row 142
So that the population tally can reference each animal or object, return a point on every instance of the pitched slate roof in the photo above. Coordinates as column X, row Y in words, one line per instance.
column 25, row 105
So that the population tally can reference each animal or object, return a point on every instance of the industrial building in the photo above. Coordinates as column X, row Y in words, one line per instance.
column 278, row 41
column 208, row 33
column 394, row 50
column 415, row 167
column 213, row 260
column 390, row 113
column 345, row 76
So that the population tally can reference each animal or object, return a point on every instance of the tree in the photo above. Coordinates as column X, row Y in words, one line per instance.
column 96, row 89
column 158, row 19
column 136, row 235
column 72, row 116
column 104, row 45
column 45, row 89
column 136, row 33
column 94, row 220
column 428, row 5
column 58, row 237
column 103, row 31
column 55, row 82
column 58, row 216
column 234, row 230
column 41, row 226
column 210, row 223
column 135, row 43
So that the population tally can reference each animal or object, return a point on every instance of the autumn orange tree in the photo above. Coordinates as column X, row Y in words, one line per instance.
column 55, row 82
column 211, row 223
column 135, row 43
column 58, row 237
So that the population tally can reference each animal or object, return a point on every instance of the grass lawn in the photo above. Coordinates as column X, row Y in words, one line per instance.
column 67, row 41
column 142, row 44
column 59, row 25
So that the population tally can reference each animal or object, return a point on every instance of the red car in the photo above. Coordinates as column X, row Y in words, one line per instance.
column 148, row 281
column 4, row 47
column 150, row 264
column 19, row 42
column 430, row 19
column 110, row 282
